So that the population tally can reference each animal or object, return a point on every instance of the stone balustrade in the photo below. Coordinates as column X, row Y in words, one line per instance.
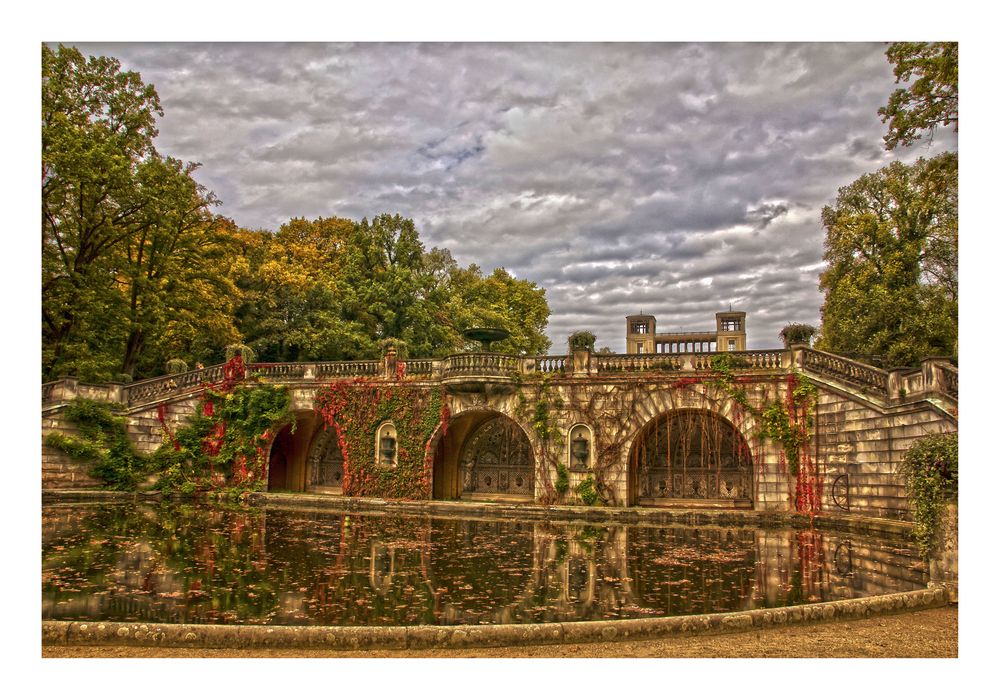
column 480, row 364
column 278, row 370
column 152, row 389
column 420, row 368
column 858, row 375
column 763, row 359
column 642, row 362
column 546, row 364
column 949, row 381
column 348, row 368
column 937, row 375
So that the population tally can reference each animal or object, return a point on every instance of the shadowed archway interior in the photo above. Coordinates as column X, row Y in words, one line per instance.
column 690, row 455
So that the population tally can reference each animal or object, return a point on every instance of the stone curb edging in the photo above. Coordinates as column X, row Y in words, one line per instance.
column 59, row 633
column 531, row 511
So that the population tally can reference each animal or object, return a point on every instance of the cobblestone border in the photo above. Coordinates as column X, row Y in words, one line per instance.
column 56, row 633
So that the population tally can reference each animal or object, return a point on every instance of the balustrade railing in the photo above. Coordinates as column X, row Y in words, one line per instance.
column 149, row 389
column 856, row 374
column 761, row 359
column 641, row 362
column 419, row 368
column 348, row 368
column 861, row 376
column 949, row 381
column 550, row 363
column 291, row 370
column 480, row 364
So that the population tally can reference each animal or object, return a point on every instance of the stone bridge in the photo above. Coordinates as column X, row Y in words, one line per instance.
column 659, row 427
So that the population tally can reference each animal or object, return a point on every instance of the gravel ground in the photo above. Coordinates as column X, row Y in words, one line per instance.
column 923, row 634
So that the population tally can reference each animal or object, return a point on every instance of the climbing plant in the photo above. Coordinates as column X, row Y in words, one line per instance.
column 931, row 470
column 540, row 414
column 103, row 443
column 220, row 448
column 356, row 408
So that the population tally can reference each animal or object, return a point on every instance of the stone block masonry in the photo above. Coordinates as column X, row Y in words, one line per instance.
column 865, row 418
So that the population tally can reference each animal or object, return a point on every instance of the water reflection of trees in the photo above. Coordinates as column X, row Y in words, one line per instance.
column 193, row 563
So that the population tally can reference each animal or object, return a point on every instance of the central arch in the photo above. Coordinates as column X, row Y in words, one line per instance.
column 690, row 457
column 484, row 455
column 496, row 461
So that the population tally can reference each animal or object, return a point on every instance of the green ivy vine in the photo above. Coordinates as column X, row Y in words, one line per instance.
column 102, row 443
column 931, row 470
column 356, row 408
column 218, row 450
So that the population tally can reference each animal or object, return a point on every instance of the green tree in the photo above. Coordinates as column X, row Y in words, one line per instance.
column 891, row 282
column 173, row 277
column 127, row 240
column 931, row 100
column 98, row 125
column 498, row 300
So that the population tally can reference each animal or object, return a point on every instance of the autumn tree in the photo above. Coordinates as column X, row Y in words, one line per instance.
column 500, row 300
column 891, row 281
column 931, row 100
column 294, row 304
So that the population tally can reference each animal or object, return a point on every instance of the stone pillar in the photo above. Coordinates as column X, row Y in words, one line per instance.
column 65, row 389
column 794, row 353
column 895, row 382
column 932, row 375
column 389, row 363
column 943, row 557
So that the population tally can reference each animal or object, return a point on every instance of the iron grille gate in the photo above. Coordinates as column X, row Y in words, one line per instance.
column 693, row 455
column 497, row 460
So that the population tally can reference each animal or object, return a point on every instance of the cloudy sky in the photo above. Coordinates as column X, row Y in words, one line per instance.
column 676, row 179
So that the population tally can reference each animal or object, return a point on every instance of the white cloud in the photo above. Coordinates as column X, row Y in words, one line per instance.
column 676, row 178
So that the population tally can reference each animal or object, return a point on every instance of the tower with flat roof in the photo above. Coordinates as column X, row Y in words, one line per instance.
column 729, row 335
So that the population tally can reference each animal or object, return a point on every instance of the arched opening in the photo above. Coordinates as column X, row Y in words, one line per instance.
column 690, row 457
column 287, row 459
column 484, row 456
column 325, row 464
column 277, row 469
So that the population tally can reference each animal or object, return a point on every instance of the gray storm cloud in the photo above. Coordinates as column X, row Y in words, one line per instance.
column 676, row 179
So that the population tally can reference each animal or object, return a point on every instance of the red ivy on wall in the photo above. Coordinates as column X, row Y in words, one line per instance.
column 355, row 408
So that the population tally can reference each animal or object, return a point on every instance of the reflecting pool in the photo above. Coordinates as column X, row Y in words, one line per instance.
column 197, row 563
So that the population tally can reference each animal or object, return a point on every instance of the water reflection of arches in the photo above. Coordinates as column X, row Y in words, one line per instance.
column 692, row 456
column 484, row 456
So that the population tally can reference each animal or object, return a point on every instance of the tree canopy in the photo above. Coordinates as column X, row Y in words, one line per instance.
column 137, row 270
column 892, row 237
column 931, row 100
column 891, row 282
column 128, row 240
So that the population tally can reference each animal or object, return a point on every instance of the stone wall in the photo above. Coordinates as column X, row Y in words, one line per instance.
column 866, row 419
column 144, row 428
column 867, row 443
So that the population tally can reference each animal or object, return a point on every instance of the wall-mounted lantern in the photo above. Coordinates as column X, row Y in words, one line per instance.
column 579, row 448
column 385, row 444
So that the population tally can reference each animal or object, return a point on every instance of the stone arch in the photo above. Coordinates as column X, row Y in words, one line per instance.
column 278, row 459
column 447, row 449
column 690, row 455
column 325, row 463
